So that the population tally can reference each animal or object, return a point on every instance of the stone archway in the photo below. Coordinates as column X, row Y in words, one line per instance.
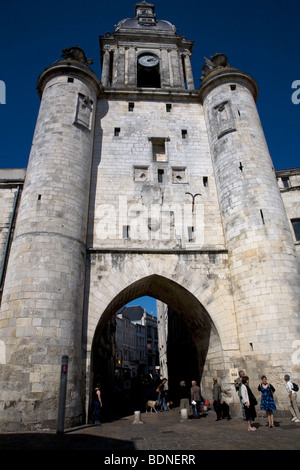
column 206, row 339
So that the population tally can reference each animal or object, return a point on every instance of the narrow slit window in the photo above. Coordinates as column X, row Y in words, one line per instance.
column 191, row 233
column 205, row 181
column 126, row 234
column 160, row 176
column 117, row 131
column 130, row 107
column 168, row 107
column 262, row 216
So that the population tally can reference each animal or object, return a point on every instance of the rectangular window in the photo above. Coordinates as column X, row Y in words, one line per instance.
column 184, row 133
column 117, row 131
column 205, row 181
column 130, row 106
column 296, row 227
column 158, row 149
column 286, row 182
column 168, row 107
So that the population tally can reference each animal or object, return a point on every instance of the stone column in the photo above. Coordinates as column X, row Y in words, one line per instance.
column 165, row 69
column 132, row 67
column 119, row 67
column 176, row 69
column 105, row 68
column 188, row 72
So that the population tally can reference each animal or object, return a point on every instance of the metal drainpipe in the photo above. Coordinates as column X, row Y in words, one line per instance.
column 16, row 197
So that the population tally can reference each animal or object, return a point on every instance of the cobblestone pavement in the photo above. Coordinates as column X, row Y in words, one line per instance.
column 163, row 432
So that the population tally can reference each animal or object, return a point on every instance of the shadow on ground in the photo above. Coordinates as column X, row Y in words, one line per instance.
column 61, row 442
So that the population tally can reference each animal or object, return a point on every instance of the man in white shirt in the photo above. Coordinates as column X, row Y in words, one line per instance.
column 292, row 399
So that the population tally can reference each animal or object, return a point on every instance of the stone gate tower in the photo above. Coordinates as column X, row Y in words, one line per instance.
column 141, row 184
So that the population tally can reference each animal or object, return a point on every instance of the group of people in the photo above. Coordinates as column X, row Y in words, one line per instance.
column 191, row 395
column 248, row 400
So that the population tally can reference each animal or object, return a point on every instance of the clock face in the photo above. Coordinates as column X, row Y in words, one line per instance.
column 148, row 60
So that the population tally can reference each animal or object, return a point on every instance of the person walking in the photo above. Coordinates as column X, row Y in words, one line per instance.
column 238, row 384
column 217, row 399
column 267, row 400
column 162, row 395
column 249, row 402
column 184, row 396
column 97, row 404
column 294, row 409
column 195, row 399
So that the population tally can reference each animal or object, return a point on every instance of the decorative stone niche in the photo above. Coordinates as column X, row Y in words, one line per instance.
column 224, row 118
column 179, row 175
column 84, row 111
column 141, row 173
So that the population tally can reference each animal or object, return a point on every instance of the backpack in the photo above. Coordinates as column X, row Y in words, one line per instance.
column 295, row 387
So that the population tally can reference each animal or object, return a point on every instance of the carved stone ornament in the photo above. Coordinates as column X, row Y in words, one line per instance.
column 216, row 61
column 76, row 53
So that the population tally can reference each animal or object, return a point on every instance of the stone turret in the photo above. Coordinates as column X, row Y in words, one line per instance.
column 41, row 312
column 262, row 256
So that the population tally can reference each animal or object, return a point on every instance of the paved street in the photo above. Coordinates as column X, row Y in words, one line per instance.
column 162, row 432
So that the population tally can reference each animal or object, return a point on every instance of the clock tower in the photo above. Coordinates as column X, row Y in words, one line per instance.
column 137, row 185
column 144, row 52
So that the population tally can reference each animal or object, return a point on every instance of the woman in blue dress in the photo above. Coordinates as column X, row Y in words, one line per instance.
column 267, row 400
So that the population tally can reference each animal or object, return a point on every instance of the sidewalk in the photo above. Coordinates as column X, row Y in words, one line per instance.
column 163, row 432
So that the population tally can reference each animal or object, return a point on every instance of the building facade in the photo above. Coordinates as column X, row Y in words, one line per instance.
column 131, row 344
column 140, row 184
column 145, row 332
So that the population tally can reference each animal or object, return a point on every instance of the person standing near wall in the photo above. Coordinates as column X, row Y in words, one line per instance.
column 217, row 399
column 238, row 384
column 267, row 400
column 97, row 404
column 249, row 402
column 294, row 409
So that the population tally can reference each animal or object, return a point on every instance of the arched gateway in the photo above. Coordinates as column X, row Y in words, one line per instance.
column 202, row 303
column 141, row 184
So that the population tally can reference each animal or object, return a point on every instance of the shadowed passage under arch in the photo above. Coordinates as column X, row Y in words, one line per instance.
column 186, row 305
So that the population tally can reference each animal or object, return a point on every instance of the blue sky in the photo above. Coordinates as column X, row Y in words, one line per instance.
column 259, row 37
column 149, row 303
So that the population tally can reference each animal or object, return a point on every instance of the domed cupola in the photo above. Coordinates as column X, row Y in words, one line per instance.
column 146, row 53
column 145, row 19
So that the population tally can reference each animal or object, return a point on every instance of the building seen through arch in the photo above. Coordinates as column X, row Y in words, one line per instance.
column 142, row 183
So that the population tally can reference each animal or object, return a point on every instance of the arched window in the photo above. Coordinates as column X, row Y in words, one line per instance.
column 148, row 74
